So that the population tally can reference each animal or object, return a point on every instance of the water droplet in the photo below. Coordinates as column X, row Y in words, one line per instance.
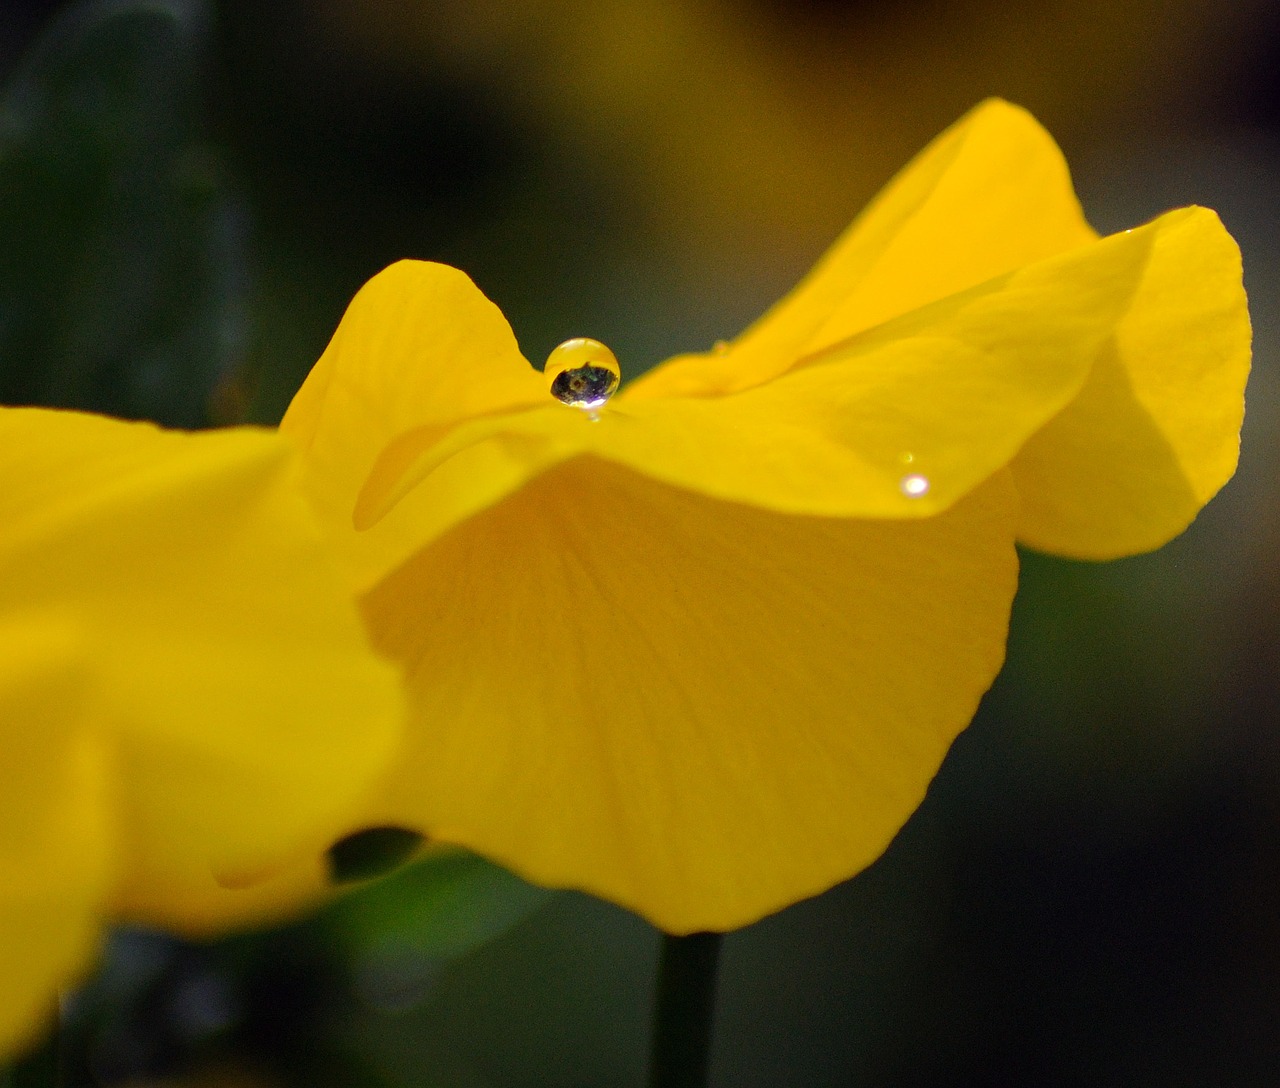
column 582, row 373
column 906, row 458
column 914, row 486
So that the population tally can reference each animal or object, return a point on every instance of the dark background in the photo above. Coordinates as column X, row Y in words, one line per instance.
column 1091, row 893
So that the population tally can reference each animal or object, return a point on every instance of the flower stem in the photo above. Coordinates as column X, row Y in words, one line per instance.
column 684, row 1011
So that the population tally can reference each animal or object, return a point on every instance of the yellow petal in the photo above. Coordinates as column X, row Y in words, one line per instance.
column 55, row 835
column 1156, row 430
column 199, row 906
column 697, row 709
column 419, row 346
column 899, row 422
column 989, row 195
column 246, row 706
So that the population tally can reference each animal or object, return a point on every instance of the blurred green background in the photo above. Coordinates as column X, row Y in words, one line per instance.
column 191, row 192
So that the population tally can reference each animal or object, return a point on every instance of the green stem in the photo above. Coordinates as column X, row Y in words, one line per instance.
column 684, row 1011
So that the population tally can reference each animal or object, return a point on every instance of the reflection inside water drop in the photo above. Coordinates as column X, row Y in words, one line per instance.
column 582, row 373
column 914, row 486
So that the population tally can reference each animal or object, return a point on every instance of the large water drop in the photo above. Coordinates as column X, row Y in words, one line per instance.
column 582, row 373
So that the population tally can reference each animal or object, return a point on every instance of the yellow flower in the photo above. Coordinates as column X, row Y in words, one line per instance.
column 701, row 650
column 186, row 692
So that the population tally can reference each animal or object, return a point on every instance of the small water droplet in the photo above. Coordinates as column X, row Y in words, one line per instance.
column 582, row 373
column 906, row 458
column 914, row 486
